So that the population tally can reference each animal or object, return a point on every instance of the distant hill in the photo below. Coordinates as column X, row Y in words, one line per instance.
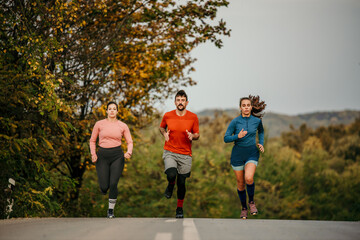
column 276, row 123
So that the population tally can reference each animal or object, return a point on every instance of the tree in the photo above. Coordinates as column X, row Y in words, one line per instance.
column 133, row 52
column 30, row 126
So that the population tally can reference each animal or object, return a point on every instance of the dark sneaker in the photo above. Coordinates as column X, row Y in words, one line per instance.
column 110, row 213
column 253, row 209
column 168, row 193
column 179, row 213
column 244, row 213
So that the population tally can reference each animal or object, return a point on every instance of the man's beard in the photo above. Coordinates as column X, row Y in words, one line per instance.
column 179, row 108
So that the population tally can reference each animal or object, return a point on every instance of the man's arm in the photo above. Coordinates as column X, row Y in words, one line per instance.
column 164, row 133
column 193, row 136
column 196, row 136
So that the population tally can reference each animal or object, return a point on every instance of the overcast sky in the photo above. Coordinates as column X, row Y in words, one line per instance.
column 300, row 56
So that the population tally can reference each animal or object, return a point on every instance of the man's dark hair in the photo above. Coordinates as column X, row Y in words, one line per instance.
column 181, row 93
column 111, row 102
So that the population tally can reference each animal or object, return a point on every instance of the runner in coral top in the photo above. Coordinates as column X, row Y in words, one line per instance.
column 179, row 128
column 110, row 157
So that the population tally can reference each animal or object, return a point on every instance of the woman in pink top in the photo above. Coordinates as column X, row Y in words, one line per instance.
column 110, row 158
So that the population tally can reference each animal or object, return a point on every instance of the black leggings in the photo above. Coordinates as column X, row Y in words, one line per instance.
column 109, row 167
column 171, row 174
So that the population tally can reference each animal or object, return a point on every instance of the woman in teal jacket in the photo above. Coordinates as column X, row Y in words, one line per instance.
column 245, row 154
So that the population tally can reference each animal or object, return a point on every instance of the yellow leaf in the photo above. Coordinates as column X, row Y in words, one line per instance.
column 48, row 144
column 35, row 191
column 39, row 204
column 17, row 146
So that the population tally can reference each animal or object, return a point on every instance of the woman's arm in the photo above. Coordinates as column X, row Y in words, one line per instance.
column 94, row 135
column 261, row 133
column 129, row 142
column 230, row 135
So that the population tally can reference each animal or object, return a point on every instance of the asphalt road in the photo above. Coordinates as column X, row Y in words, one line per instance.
column 175, row 229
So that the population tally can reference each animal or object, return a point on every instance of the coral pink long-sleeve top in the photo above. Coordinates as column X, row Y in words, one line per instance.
column 110, row 135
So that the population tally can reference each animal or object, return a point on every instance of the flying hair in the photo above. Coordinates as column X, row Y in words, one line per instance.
column 258, row 106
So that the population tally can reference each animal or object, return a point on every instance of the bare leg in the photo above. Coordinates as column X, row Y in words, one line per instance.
column 240, row 180
column 249, row 173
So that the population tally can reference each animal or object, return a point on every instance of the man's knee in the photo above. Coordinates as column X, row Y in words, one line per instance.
column 181, row 179
column 171, row 173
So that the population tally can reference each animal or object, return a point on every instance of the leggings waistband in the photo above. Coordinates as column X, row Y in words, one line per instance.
column 109, row 149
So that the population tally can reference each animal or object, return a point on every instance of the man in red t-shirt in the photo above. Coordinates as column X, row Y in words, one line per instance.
column 179, row 128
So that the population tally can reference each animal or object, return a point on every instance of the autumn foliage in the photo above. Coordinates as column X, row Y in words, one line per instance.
column 61, row 61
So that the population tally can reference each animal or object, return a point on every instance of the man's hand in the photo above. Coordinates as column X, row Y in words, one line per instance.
column 242, row 133
column 166, row 135
column 190, row 135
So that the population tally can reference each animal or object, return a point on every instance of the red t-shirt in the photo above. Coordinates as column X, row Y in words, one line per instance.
column 178, row 139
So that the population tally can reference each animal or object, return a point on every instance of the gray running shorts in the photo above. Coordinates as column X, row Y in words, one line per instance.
column 179, row 161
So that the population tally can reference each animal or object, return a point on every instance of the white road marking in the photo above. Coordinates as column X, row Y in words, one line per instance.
column 163, row 236
column 190, row 231
column 171, row 220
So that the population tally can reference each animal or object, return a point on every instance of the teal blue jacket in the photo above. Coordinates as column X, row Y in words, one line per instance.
column 251, row 125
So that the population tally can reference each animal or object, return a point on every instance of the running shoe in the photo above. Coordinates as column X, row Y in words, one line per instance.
column 244, row 213
column 179, row 212
column 110, row 213
column 168, row 193
column 253, row 209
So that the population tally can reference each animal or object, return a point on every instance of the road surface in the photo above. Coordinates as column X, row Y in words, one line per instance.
column 174, row 229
